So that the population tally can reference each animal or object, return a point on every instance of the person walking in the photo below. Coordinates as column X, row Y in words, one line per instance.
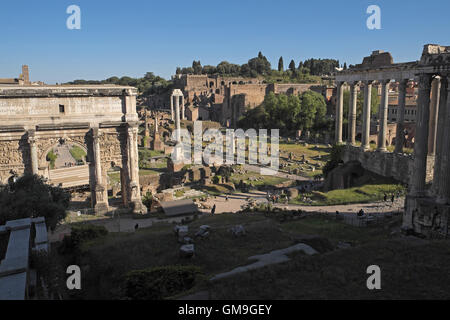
column 213, row 210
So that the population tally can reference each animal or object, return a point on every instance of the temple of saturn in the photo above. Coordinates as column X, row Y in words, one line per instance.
column 427, row 171
column 101, row 120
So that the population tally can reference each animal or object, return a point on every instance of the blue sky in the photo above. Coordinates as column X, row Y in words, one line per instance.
column 132, row 37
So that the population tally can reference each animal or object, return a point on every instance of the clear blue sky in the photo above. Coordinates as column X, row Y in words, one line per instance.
column 135, row 36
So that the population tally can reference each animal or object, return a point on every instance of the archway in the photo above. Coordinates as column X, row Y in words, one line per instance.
column 117, row 190
column 66, row 164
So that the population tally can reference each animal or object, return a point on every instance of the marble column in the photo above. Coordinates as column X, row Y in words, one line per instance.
column 365, row 145
column 383, row 115
column 400, row 137
column 442, row 114
column 182, row 108
column 171, row 107
column 434, row 111
column 135, row 192
column 101, row 200
column 339, row 112
column 352, row 114
column 421, row 139
column 444, row 181
column 177, row 119
column 33, row 152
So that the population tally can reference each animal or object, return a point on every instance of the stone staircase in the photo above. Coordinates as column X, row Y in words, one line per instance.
column 70, row 177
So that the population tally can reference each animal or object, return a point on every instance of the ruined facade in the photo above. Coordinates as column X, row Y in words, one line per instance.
column 225, row 99
column 101, row 120
column 427, row 207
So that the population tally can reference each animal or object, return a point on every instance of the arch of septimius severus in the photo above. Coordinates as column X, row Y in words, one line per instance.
column 101, row 120
column 427, row 207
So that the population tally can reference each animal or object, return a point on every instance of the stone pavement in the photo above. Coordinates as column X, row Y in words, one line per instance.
column 274, row 257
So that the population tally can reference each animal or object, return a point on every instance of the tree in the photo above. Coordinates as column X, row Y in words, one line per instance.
column 30, row 197
column 345, row 65
column 313, row 110
column 197, row 67
column 260, row 65
column 292, row 66
column 280, row 65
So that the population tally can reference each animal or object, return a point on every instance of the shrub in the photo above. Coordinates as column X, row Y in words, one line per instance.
column 79, row 234
column 147, row 200
column 159, row 282
column 51, row 157
column 217, row 179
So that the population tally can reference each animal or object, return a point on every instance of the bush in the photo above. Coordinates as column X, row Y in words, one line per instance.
column 160, row 282
column 217, row 179
column 147, row 200
column 79, row 234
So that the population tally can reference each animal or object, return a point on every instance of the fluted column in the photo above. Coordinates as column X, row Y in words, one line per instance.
column 383, row 115
column 101, row 201
column 133, row 161
column 434, row 111
column 444, row 151
column 339, row 112
column 442, row 114
column 33, row 152
column 421, row 139
column 352, row 113
column 365, row 145
column 171, row 107
column 400, row 137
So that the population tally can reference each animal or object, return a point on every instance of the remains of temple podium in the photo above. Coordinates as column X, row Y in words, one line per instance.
column 427, row 171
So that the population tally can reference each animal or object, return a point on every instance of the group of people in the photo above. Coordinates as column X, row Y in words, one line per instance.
column 393, row 196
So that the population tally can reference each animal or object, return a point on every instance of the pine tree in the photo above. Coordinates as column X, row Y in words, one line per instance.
column 292, row 66
column 280, row 65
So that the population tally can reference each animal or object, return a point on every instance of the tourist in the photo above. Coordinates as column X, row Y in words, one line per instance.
column 213, row 210
column 385, row 197
column 361, row 213
column 392, row 198
column 226, row 198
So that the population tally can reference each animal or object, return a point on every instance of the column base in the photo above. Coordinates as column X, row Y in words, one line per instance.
column 101, row 208
column 137, row 207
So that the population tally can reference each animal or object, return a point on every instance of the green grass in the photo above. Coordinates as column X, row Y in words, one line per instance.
column 265, row 180
column 146, row 172
column 409, row 270
column 111, row 257
column 363, row 194
column 215, row 189
column 77, row 153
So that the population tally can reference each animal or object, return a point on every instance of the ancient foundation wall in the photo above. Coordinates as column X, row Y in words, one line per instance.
column 397, row 166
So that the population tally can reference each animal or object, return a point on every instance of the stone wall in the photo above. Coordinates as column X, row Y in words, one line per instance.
column 397, row 166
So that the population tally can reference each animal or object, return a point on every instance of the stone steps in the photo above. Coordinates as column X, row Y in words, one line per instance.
column 70, row 177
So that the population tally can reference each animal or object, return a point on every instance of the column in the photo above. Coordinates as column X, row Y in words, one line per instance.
column 365, row 145
column 444, row 150
column 177, row 119
column 440, row 135
column 352, row 113
column 421, row 139
column 339, row 112
column 383, row 115
column 434, row 111
column 171, row 107
column 33, row 152
column 400, row 137
column 101, row 202
column 135, row 192
column 182, row 108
